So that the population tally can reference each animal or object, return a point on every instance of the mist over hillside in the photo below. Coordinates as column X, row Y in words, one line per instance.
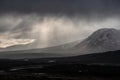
column 102, row 40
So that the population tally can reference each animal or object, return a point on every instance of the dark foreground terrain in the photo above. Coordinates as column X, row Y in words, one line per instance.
column 99, row 66
column 39, row 76
column 62, row 72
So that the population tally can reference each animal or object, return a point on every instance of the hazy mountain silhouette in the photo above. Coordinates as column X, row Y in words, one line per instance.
column 102, row 40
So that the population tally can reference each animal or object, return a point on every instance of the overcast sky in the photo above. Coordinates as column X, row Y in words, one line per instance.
column 54, row 22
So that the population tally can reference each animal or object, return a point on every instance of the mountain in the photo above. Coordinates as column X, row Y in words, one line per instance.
column 102, row 40
column 107, row 39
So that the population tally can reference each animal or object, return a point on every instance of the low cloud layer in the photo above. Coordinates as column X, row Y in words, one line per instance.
column 49, row 30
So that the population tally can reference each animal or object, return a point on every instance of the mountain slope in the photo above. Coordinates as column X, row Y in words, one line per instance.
column 101, row 41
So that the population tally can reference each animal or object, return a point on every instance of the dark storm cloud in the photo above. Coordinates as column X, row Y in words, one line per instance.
column 53, row 22
column 60, row 6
